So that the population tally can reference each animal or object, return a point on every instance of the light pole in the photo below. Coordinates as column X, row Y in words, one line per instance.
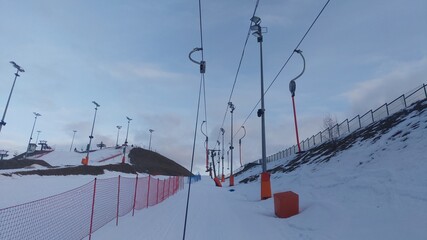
column 292, row 88
column 265, row 176
column 126, row 141
column 151, row 133
column 18, row 69
column 118, row 130
column 72, row 140
column 222, row 155
column 231, row 106
column 85, row 161
column 240, row 145
column 32, row 130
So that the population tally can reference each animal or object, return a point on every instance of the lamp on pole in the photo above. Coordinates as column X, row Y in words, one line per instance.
column 222, row 155
column 72, row 140
column 31, row 135
column 126, row 141
column 85, row 161
column 231, row 106
column 151, row 133
column 240, row 145
column 292, row 88
column 118, row 130
column 18, row 69
column 265, row 176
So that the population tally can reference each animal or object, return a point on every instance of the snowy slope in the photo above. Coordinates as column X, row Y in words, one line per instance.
column 99, row 157
column 374, row 189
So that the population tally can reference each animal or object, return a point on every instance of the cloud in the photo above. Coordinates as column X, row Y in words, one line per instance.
column 143, row 71
column 372, row 93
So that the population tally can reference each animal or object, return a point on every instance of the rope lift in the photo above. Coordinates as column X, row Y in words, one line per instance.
column 208, row 169
column 240, row 145
column 292, row 88
column 292, row 83
column 202, row 63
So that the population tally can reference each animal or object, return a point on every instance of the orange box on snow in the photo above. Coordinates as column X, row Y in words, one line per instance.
column 286, row 204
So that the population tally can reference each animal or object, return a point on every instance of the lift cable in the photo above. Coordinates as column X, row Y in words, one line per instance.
column 192, row 158
column 286, row 63
column 238, row 71
column 202, row 65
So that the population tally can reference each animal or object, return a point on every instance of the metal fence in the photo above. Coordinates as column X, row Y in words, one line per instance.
column 350, row 125
column 78, row 213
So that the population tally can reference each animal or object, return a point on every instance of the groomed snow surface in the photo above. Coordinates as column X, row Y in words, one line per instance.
column 373, row 190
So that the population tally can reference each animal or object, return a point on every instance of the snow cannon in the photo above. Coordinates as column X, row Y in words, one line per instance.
column 286, row 204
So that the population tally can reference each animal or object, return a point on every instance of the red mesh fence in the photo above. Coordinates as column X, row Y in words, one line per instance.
column 77, row 213
column 152, row 194
column 127, row 192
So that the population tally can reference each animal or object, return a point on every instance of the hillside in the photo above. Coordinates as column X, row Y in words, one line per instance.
column 392, row 131
column 368, row 185
column 155, row 164
column 57, row 163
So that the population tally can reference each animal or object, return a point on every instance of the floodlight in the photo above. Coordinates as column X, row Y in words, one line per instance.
column 17, row 66
column 256, row 20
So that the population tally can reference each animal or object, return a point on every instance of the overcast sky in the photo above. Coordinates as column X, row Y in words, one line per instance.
column 132, row 58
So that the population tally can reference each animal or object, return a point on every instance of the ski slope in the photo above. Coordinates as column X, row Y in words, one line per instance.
column 373, row 190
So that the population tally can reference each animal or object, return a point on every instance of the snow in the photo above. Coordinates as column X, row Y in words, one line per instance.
column 373, row 190
column 99, row 157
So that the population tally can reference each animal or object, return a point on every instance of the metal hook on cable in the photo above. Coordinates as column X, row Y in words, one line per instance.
column 202, row 63
column 292, row 84
column 244, row 134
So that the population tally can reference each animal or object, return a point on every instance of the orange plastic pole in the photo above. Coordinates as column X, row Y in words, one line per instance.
column 134, row 196
column 148, row 190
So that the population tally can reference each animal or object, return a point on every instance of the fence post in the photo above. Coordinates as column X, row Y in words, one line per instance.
column 169, row 187
column 93, row 208
column 157, row 200
column 386, row 107
column 148, row 190
column 348, row 126
column 404, row 99
column 174, row 185
column 360, row 124
column 118, row 203
column 134, row 195
column 164, row 183
column 425, row 91
column 338, row 130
